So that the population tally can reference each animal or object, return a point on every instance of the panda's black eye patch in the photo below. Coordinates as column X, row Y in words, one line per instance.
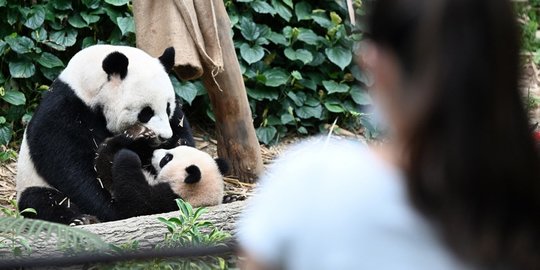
column 145, row 115
column 165, row 160
column 168, row 109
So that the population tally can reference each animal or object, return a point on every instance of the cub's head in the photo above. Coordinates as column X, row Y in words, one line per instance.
column 192, row 174
column 127, row 84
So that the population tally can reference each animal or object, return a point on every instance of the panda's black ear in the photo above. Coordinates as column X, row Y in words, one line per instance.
column 193, row 175
column 222, row 165
column 167, row 59
column 116, row 63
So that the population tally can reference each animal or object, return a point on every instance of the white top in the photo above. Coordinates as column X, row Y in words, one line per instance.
column 337, row 205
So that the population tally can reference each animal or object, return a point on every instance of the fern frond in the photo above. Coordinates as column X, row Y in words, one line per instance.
column 67, row 238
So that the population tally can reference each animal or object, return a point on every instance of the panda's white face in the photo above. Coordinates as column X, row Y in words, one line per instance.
column 172, row 166
column 138, row 91
column 149, row 101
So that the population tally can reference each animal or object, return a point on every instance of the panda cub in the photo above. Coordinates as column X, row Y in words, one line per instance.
column 103, row 90
column 182, row 172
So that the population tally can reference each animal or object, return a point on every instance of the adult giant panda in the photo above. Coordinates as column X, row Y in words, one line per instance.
column 103, row 90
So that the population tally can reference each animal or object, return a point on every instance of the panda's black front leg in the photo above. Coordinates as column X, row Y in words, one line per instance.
column 182, row 134
column 130, row 189
column 136, row 134
column 52, row 205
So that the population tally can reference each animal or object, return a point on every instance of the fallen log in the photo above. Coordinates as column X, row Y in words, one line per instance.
column 148, row 231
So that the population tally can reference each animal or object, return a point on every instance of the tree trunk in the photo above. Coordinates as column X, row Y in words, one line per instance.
column 237, row 141
column 148, row 231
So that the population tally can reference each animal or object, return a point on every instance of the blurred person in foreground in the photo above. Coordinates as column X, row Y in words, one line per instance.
column 458, row 184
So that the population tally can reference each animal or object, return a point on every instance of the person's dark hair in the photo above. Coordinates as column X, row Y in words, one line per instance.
column 474, row 171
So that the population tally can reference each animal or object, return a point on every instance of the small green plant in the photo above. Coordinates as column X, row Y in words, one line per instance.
column 17, row 233
column 185, row 230
column 13, row 210
column 10, row 242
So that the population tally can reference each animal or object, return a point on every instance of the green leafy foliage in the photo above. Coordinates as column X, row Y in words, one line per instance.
column 10, row 242
column 185, row 230
column 295, row 56
column 296, row 59
column 17, row 234
column 528, row 15
column 37, row 39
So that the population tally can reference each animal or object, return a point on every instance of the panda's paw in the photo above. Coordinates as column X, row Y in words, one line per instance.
column 229, row 198
column 125, row 160
column 139, row 132
column 84, row 220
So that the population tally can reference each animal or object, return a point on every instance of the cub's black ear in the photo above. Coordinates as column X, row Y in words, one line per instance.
column 116, row 63
column 167, row 59
column 222, row 165
column 193, row 175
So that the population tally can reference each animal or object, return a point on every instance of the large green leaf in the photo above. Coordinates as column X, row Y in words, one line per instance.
column 39, row 35
column 289, row 3
column 334, row 87
column 297, row 75
column 340, row 56
column 303, row 11
column 266, row 134
column 65, row 38
column 306, row 112
column 334, row 107
column 298, row 99
column 126, row 25
column 89, row 18
column 92, row 4
column 360, row 96
column 20, row 45
column 277, row 39
column 251, row 54
column 287, row 118
column 188, row 91
column 51, row 73
column 308, row 36
column 37, row 17
column 249, row 30
column 263, row 7
column 276, row 77
column 262, row 93
column 321, row 18
column 5, row 134
column 14, row 97
column 361, row 76
column 301, row 54
column 49, row 60
column 3, row 47
column 77, row 21
column 282, row 10
column 62, row 4
column 117, row 2
column 22, row 69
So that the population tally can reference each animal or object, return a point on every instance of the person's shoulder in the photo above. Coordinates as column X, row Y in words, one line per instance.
column 336, row 160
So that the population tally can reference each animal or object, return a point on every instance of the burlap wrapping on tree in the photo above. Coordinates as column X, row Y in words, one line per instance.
column 187, row 25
